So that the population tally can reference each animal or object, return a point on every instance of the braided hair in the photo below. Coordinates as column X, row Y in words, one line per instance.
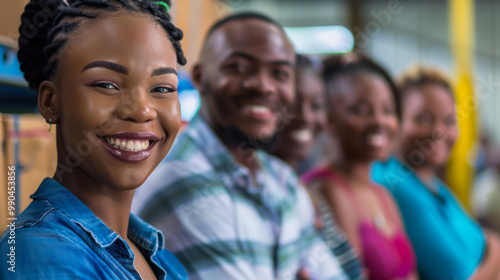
column 46, row 25
column 350, row 64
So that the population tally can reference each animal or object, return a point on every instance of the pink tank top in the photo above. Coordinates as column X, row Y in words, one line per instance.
column 385, row 257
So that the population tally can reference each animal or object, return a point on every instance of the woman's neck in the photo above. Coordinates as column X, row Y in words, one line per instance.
column 109, row 205
column 424, row 172
column 354, row 171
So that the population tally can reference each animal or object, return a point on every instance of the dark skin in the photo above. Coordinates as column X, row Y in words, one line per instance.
column 246, row 63
column 429, row 128
column 364, row 124
column 429, row 118
column 297, row 138
column 103, row 87
column 246, row 79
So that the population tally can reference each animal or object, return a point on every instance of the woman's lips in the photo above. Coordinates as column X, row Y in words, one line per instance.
column 130, row 147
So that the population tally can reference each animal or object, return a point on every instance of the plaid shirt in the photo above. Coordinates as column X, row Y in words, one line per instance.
column 223, row 223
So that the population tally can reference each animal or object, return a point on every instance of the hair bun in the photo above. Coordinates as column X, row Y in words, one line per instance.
column 36, row 22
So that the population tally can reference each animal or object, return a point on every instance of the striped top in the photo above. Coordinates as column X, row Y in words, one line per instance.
column 224, row 223
column 336, row 239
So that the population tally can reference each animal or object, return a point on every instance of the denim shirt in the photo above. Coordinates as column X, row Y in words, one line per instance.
column 58, row 237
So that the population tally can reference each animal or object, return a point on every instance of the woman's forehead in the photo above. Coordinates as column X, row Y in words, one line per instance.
column 122, row 38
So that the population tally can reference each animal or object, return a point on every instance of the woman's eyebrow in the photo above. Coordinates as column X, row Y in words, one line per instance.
column 164, row 70
column 108, row 65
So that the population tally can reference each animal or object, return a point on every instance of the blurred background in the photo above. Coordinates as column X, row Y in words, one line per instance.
column 397, row 33
column 461, row 37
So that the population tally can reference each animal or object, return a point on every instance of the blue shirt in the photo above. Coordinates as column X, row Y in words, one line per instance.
column 58, row 237
column 224, row 223
column 448, row 243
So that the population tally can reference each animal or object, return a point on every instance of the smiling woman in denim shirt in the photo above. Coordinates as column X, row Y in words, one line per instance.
column 106, row 74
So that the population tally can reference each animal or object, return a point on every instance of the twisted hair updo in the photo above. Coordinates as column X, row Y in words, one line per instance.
column 47, row 24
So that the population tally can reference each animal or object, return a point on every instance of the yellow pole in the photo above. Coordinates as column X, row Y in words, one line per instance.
column 460, row 171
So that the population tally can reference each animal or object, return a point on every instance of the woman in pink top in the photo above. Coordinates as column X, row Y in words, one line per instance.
column 363, row 121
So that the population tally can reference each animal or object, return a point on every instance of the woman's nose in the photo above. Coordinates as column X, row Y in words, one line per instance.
column 137, row 107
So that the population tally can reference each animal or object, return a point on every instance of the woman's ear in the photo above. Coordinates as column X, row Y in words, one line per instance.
column 47, row 101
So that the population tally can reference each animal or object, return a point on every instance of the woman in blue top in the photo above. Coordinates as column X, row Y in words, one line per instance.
column 448, row 243
column 106, row 75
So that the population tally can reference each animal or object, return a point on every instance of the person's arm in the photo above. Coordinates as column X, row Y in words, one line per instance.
column 317, row 259
column 489, row 268
column 312, row 191
column 344, row 213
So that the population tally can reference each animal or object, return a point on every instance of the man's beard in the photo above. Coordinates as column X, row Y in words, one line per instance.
column 235, row 137
column 232, row 136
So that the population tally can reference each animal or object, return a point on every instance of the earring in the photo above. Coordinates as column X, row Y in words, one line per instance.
column 50, row 127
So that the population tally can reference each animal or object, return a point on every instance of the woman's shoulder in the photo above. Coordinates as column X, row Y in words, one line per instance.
column 320, row 173
column 44, row 249
column 37, row 219
column 39, row 225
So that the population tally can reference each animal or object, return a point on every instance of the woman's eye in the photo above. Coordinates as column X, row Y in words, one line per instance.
column 164, row 89
column 450, row 121
column 425, row 119
column 104, row 85
column 361, row 109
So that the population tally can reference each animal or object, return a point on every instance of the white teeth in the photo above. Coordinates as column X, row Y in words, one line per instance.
column 258, row 109
column 128, row 145
column 301, row 135
column 378, row 140
column 137, row 146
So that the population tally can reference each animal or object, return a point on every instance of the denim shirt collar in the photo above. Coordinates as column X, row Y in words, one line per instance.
column 141, row 233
